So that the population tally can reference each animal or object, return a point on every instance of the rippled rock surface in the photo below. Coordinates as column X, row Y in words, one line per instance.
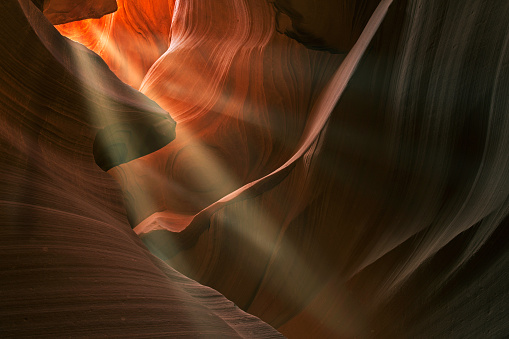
column 362, row 194
column 70, row 265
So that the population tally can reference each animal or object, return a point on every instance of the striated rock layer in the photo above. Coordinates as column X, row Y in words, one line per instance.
column 70, row 265
column 383, row 214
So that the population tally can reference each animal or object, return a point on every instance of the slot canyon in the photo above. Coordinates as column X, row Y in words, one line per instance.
column 254, row 168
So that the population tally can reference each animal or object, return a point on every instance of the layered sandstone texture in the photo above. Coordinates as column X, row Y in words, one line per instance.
column 338, row 170
column 70, row 265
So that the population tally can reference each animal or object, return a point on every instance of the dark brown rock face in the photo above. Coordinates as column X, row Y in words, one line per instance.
column 62, row 11
column 332, row 25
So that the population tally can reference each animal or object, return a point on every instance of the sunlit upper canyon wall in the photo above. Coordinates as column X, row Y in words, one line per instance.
column 334, row 169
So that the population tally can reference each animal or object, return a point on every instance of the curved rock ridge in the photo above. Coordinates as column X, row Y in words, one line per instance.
column 240, row 93
column 202, row 165
column 391, row 222
column 70, row 265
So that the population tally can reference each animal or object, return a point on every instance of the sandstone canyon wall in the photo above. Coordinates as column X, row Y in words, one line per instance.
column 381, row 214
column 70, row 264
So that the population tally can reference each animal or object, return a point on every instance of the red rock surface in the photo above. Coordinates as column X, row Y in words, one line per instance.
column 70, row 265
column 129, row 40
column 383, row 214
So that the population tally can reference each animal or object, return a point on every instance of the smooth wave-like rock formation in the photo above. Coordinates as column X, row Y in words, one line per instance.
column 383, row 214
column 129, row 40
column 70, row 265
